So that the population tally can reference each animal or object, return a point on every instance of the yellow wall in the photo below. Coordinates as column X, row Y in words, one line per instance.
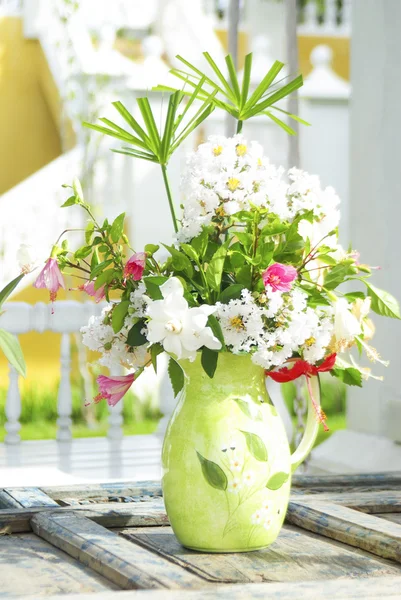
column 29, row 138
column 341, row 53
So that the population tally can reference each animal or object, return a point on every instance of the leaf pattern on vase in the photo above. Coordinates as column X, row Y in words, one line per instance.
column 255, row 445
column 277, row 480
column 249, row 408
column 213, row 473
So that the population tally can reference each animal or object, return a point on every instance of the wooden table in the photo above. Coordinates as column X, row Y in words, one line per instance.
column 342, row 539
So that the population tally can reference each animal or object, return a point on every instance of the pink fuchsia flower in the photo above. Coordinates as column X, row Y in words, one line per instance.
column 89, row 288
column 50, row 278
column 135, row 266
column 279, row 277
column 113, row 389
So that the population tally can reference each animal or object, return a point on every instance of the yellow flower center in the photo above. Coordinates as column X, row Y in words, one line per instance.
column 310, row 341
column 237, row 323
column 220, row 212
column 260, row 164
column 217, row 150
column 232, row 184
column 173, row 326
column 241, row 149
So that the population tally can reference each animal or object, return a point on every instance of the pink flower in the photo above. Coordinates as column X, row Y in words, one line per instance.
column 113, row 389
column 279, row 277
column 50, row 278
column 135, row 266
column 89, row 288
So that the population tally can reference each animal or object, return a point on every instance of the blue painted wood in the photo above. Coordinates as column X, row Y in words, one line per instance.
column 126, row 564
column 30, row 497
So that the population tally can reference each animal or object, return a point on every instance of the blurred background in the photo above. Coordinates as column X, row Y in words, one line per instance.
column 65, row 61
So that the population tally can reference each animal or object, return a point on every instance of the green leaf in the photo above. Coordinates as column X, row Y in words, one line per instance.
column 135, row 337
column 213, row 473
column 200, row 242
column 209, row 360
column 104, row 278
column 176, row 375
column 153, row 284
column 214, row 325
column 180, row 261
column 151, row 249
column 190, row 252
column 349, row 376
column 246, row 78
column 9, row 288
column 277, row 480
column 244, row 276
column 275, row 97
column 90, row 228
column 77, row 187
column 383, row 303
column 337, row 275
column 100, row 268
column 281, row 123
column 264, row 84
column 117, row 228
column 155, row 350
column 83, row 252
column 126, row 115
column 255, row 445
column 69, row 202
column 11, row 348
column 232, row 292
column 120, row 311
column 233, row 77
column 214, row 271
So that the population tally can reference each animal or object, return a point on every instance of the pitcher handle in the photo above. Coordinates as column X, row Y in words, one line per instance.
column 312, row 424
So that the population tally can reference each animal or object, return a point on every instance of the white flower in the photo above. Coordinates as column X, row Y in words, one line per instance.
column 249, row 478
column 346, row 326
column 234, row 486
column 181, row 330
column 236, row 464
column 268, row 523
column 27, row 258
column 257, row 517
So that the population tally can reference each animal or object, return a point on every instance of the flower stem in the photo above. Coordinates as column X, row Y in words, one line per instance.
column 169, row 196
column 239, row 126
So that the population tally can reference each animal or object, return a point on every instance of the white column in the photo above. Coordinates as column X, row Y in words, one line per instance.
column 64, row 399
column 324, row 145
column 374, row 412
column 375, row 192
column 13, row 409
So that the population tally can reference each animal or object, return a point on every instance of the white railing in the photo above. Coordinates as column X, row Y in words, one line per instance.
column 69, row 316
column 329, row 18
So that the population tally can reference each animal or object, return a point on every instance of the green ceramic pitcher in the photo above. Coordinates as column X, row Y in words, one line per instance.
column 226, row 460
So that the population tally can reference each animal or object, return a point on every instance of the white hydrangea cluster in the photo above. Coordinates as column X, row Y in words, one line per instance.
column 100, row 337
column 225, row 175
column 274, row 330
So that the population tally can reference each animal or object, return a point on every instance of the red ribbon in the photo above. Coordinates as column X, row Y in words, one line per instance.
column 301, row 367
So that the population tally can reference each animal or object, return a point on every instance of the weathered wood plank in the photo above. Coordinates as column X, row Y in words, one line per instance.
column 102, row 490
column 32, row 566
column 350, row 526
column 390, row 480
column 151, row 513
column 369, row 502
column 394, row 517
column 31, row 497
column 7, row 501
column 126, row 564
column 343, row 589
column 295, row 556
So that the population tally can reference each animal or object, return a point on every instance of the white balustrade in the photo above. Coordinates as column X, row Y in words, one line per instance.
column 68, row 317
column 333, row 20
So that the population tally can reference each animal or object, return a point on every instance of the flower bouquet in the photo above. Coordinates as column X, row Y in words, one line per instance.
column 249, row 288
